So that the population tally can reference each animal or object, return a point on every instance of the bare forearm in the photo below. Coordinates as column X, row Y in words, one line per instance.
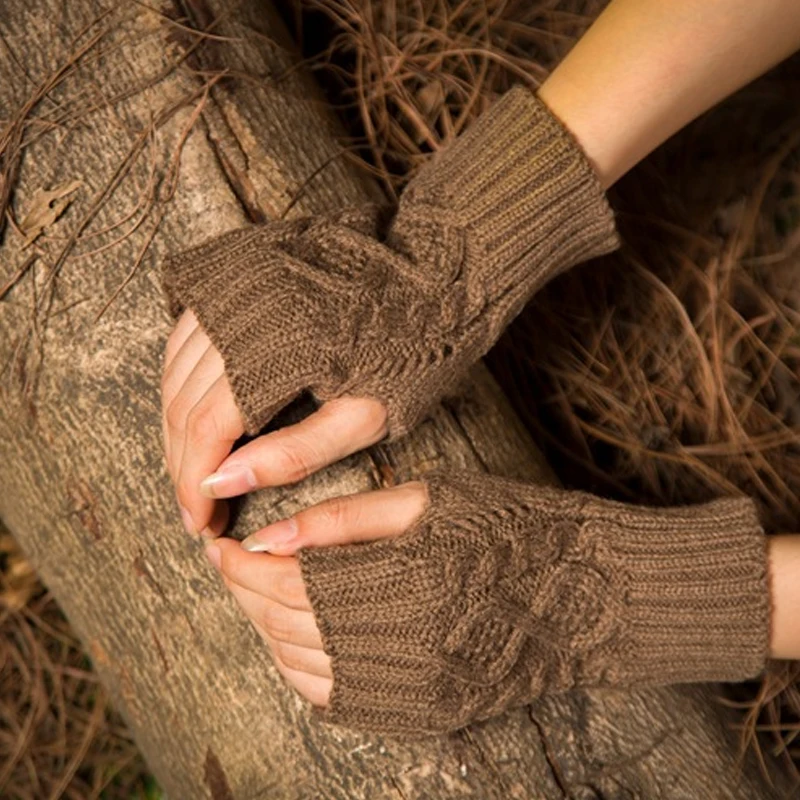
column 648, row 67
column 784, row 560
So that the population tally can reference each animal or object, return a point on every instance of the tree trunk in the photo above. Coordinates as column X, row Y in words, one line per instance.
column 102, row 105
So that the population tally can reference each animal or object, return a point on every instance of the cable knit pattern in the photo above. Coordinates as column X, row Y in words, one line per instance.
column 504, row 590
column 397, row 304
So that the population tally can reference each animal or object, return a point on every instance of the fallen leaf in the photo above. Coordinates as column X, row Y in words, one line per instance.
column 46, row 208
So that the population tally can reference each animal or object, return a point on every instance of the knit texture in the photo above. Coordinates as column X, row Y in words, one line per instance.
column 504, row 590
column 396, row 304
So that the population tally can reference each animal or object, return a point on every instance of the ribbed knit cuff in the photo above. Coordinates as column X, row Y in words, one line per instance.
column 697, row 594
column 526, row 193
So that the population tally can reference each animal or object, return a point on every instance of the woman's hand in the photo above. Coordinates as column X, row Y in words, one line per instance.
column 369, row 301
column 468, row 594
column 201, row 422
column 264, row 576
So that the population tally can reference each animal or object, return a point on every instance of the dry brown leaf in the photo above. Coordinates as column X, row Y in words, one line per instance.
column 46, row 207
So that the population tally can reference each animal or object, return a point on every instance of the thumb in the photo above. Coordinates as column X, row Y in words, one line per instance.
column 342, row 520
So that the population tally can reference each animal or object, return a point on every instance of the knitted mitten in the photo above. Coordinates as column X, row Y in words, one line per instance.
column 505, row 590
column 397, row 305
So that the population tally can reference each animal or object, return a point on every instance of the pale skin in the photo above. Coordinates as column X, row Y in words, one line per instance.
column 642, row 71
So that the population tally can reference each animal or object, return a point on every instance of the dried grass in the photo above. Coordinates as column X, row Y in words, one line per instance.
column 58, row 734
column 669, row 372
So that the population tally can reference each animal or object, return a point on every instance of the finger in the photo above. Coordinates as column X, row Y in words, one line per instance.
column 275, row 577
column 176, row 370
column 182, row 365
column 301, row 659
column 281, row 623
column 206, row 370
column 178, row 399
column 352, row 518
column 315, row 689
column 340, row 427
column 212, row 427
column 180, row 333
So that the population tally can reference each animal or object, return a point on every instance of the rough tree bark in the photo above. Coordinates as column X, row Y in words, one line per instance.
column 100, row 105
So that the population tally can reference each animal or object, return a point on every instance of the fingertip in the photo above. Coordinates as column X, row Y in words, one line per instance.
column 280, row 538
column 221, row 549
column 224, row 543
column 214, row 555
column 230, row 480
column 219, row 521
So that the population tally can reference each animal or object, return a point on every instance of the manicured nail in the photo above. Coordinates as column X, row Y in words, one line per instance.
column 229, row 481
column 188, row 522
column 277, row 538
column 214, row 555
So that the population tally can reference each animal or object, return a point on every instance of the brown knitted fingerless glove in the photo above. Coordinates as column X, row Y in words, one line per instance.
column 504, row 590
column 398, row 307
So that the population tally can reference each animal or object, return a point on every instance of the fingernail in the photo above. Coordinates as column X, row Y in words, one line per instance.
column 214, row 555
column 188, row 522
column 208, row 533
column 279, row 537
column 229, row 481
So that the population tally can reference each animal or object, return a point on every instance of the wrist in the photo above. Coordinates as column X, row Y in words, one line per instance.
column 564, row 99
column 784, row 572
column 643, row 70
